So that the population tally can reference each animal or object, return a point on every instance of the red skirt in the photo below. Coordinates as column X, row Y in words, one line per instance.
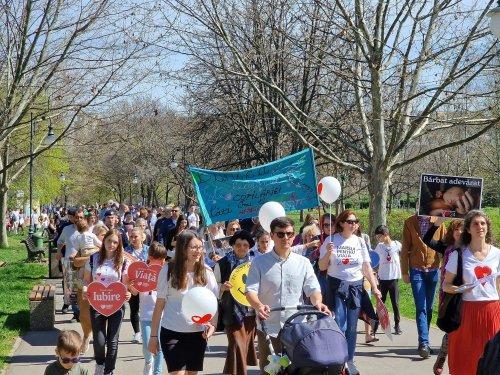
column 480, row 322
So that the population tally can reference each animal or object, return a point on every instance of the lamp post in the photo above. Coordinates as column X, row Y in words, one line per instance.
column 49, row 139
column 494, row 14
column 135, row 181
column 62, row 178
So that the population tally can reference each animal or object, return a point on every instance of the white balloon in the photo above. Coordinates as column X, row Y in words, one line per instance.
column 329, row 189
column 199, row 305
column 268, row 212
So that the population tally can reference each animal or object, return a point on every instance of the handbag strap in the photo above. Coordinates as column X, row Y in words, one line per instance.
column 459, row 280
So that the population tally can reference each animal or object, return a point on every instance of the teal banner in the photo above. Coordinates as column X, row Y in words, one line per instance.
column 231, row 195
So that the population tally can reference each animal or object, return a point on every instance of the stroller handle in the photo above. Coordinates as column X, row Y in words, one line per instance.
column 294, row 307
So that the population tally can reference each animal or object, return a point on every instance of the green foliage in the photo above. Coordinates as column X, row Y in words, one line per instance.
column 16, row 280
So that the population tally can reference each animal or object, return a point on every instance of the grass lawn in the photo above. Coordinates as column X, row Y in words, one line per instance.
column 16, row 280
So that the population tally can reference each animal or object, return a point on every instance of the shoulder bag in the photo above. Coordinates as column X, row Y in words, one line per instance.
column 450, row 308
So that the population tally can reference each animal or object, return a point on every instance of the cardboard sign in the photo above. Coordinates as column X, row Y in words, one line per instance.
column 383, row 317
column 239, row 278
column 449, row 196
column 106, row 299
column 144, row 276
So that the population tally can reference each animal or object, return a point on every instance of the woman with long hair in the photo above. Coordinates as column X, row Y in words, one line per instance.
column 346, row 259
column 107, row 266
column 480, row 305
column 174, row 233
column 445, row 247
column 183, row 343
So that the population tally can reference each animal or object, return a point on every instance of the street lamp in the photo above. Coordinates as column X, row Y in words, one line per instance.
column 135, row 179
column 494, row 14
column 49, row 139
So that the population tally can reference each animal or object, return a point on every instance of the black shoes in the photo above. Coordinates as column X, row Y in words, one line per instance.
column 75, row 319
column 424, row 351
column 397, row 330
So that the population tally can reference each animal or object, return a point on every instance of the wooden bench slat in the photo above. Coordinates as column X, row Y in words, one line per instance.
column 45, row 292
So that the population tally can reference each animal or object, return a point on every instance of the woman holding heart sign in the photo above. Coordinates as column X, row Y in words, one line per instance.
column 480, row 305
column 183, row 335
column 106, row 282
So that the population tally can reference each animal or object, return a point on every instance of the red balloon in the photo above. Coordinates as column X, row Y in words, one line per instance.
column 320, row 187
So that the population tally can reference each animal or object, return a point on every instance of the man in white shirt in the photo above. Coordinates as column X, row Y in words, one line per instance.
column 269, row 273
column 193, row 218
column 67, row 241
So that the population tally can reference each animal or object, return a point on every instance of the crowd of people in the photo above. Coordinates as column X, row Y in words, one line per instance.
column 326, row 264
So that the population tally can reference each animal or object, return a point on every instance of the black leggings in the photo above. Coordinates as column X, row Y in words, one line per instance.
column 134, row 313
column 391, row 286
column 106, row 331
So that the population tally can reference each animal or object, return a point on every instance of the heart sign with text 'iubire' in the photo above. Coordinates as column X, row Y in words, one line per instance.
column 106, row 299
column 144, row 276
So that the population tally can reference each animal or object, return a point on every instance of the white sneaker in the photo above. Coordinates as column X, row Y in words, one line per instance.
column 148, row 368
column 99, row 369
column 137, row 338
column 85, row 344
column 352, row 368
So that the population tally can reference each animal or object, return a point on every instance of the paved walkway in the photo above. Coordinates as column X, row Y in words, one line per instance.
column 35, row 350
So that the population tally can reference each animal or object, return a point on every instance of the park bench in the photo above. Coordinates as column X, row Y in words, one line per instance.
column 42, row 307
column 33, row 251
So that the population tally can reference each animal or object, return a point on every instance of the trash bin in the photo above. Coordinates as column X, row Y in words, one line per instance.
column 37, row 240
column 54, row 271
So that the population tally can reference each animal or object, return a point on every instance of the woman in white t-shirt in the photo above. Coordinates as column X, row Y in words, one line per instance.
column 107, row 266
column 346, row 259
column 183, row 342
column 389, row 270
column 480, row 306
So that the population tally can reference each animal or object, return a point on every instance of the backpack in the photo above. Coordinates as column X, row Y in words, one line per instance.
column 489, row 363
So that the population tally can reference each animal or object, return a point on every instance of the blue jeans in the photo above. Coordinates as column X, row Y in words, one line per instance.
column 423, row 286
column 148, row 357
column 347, row 320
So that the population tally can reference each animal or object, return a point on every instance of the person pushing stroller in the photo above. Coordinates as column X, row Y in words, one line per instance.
column 280, row 278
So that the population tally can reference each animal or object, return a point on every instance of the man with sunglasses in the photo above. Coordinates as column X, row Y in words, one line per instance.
column 166, row 224
column 280, row 278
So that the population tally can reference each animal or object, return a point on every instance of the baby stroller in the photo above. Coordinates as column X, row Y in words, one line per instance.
column 313, row 342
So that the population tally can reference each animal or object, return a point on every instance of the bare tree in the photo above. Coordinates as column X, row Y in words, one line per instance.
column 398, row 67
column 59, row 59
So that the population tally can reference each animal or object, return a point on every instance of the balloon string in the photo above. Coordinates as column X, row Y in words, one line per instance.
column 331, row 222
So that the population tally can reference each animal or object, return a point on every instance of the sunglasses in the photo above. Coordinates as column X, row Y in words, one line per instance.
column 351, row 221
column 283, row 234
column 175, row 210
column 70, row 360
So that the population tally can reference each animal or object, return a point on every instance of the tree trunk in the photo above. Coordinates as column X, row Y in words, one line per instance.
column 378, row 188
column 4, row 240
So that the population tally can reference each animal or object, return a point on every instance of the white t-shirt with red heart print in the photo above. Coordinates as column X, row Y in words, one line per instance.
column 474, row 270
column 347, row 257
column 106, row 273
column 389, row 266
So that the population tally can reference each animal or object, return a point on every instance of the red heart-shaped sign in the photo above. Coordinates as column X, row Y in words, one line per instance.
column 320, row 187
column 144, row 276
column 201, row 319
column 389, row 259
column 345, row 260
column 106, row 299
column 482, row 272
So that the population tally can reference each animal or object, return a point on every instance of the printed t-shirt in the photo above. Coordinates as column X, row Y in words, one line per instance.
column 474, row 269
column 105, row 273
column 173, row 319
column 389, row 267
column 346, row 258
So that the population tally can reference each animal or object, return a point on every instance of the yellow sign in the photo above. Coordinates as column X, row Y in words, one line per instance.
column 238, row 279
